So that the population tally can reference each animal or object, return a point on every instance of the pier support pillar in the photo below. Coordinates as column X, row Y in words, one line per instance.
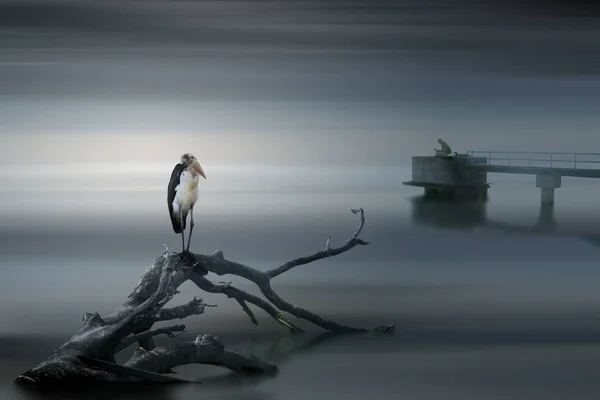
column 546, row 221
column 548, row 183
column 547, row 195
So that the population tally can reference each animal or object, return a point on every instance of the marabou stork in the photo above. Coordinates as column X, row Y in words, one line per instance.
column 182, row 194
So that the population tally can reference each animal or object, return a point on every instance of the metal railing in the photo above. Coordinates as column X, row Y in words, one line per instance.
column 538, row 159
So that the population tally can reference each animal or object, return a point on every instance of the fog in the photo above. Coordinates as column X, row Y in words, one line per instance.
column 299, row 111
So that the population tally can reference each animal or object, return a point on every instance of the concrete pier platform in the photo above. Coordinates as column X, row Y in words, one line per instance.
column 464, row 176
column 451, row 177
column 451, row 191
column 547, row 184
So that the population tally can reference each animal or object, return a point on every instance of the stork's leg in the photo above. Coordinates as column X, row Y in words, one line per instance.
column 181, row 222
column 191, row 227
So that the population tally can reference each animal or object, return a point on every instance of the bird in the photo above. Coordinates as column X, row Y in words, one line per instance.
column 182, row 195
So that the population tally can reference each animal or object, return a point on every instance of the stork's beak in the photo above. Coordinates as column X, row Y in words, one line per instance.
column 198, row 168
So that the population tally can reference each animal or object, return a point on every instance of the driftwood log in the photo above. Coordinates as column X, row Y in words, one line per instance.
column 89, row 355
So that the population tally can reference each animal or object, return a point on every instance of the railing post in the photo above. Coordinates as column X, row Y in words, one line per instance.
column 509, row 158
column 489, row 157
column 551, row 160
column 529, row 156
column 575, row 160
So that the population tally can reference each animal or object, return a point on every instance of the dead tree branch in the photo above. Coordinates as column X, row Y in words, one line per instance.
column 89, row 354
column 167, row 330
column 206, row 349
column 216, row 263
column 234, row 293
column 328, row 252
column 194, row 307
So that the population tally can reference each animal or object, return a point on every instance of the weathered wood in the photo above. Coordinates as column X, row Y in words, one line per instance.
column 127, row 372
column 218, row 264
column 89, row 354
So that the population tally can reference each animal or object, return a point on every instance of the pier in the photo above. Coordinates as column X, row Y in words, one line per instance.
column 464, row 176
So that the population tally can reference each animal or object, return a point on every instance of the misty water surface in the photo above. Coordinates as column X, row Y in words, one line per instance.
column 299, row 111
column 469, row 292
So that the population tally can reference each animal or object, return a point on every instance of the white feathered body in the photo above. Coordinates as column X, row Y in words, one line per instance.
column 186, row 194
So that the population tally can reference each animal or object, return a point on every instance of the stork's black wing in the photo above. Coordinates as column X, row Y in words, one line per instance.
column 173, row 182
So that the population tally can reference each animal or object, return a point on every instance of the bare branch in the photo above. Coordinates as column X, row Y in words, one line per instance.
column 206, row 349
column 88, row 356
column 235, row 293
column 149, row 279
column 361, row 212
column 299, row 312
column 167, row 330
column 248, row 311
column 129, row 373
column 268, row 292
column 217, row 264
column 163, row 293
column 194, row 307
column 328, row 252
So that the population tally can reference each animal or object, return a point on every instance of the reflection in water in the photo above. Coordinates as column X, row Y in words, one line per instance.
column 278, row 352
column 546, row 221
column 241, row 386
column 115, row 391
column 449, row 214
column 593, row 239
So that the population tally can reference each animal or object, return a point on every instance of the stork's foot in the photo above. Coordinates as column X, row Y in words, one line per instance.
column 185, row 257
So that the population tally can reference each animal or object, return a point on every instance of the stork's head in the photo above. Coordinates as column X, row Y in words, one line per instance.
column 191, row 164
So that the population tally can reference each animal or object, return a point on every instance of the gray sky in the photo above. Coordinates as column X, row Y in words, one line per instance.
column 326, row 82
column 297, row 111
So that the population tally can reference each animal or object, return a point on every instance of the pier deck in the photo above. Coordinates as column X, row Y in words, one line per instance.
column 465, row 175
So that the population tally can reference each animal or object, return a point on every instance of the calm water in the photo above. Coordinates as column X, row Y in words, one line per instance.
column 490, row 302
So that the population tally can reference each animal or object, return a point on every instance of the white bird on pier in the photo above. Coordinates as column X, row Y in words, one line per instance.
column 182, row 194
